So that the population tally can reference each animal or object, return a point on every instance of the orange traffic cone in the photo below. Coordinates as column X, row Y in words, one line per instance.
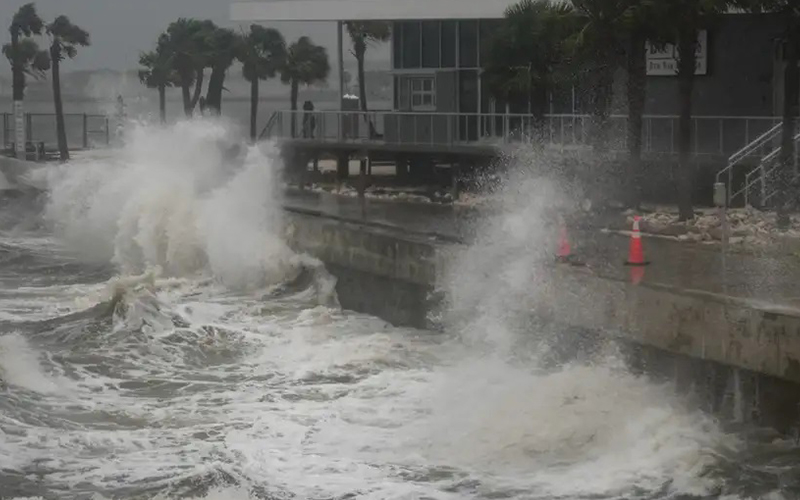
column 635, row 251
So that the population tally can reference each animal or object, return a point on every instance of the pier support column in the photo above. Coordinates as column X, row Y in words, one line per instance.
column 401, row 168
column 342, row 166
column 455, row 173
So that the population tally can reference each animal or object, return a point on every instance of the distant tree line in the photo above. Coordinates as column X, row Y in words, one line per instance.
column 545, row 43
column 190, row 47
column 27, row 59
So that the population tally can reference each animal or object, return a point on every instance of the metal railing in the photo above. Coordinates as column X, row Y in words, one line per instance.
column 753, row 148
column 83, row 130
column 711, row 135
column 266, row 132
column 763, row 175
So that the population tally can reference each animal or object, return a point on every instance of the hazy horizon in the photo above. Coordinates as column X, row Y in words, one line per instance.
column 116, row 45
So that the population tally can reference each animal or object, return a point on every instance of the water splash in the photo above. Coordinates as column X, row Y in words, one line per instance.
column 185, row 197
column 590, row 428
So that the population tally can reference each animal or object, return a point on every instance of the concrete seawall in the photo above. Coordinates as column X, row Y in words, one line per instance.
column 740, row 353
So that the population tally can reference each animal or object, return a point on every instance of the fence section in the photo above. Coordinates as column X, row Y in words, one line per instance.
column 711, row 135
column 84, row 131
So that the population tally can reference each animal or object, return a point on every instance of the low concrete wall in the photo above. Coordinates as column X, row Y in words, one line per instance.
column 377, row 272
column 740, row 358
column 701, row 325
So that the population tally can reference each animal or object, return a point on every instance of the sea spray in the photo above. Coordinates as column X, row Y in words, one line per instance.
column 185, row 197
column 588, row 427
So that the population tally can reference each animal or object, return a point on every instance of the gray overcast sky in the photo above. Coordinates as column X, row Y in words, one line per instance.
column 120, row 29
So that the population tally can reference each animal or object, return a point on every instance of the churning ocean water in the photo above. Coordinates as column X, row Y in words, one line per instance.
column 159, row 339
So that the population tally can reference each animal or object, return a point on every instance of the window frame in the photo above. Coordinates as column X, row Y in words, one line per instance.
column 422, row 93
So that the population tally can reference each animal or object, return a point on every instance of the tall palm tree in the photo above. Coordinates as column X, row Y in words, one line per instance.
column 157, row 73
column 599, row 45
column 25, row 23
column 222, row 46
column 262, row 53
column 27, row 56
column 641, row 22
column 306, row 64
column 65, row 38
column 528, row 54
column 362, row 34
column 688, row 17
column 186, row 43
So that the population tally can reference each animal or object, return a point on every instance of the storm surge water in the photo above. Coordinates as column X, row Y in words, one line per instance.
column 160, row 340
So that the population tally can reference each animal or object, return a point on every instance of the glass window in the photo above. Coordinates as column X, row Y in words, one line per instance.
column 430, row 44
column 397, row 44
column 423, row 94
column 487, row 28
column 449, row 44
column 412, row 45
column 468, row 44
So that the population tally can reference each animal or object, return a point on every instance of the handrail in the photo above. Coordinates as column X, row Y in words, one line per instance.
column 757, row 143
column 762, row 174
column 740, row 155
column 268, row 127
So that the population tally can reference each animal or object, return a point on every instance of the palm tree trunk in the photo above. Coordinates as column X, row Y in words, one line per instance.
column 791, row 85
column 687, row 40
column 198, row 87
column 360, row 50
column 637, row 78
column 293, row 97
column 253, row 109
column 162, row 102
column 215, row 85
column 18, row 78
column 18, row 84
column 61, row 130
column 187, row 98
column 601, row 95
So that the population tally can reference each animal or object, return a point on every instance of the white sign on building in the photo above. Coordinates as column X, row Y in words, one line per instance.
column 664, row 61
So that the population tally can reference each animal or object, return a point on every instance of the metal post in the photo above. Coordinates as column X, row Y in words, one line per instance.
column 721, row 136
column 340, row 55
column 108, row 133
column 85, row 131
column 28, row 129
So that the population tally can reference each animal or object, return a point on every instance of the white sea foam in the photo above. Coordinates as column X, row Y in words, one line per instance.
column 179, row 197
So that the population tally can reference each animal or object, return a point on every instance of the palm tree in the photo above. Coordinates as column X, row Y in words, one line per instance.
column 362, row 34
column 306, row 64
column 157, row 73
column 528, row 54
column 599, row 44
column 186, row 43
column 688, row 17
column 27, row 56
column 262, row 53
column 65, row 38
column 640, row 24
column 26, row 22
column 222, row 46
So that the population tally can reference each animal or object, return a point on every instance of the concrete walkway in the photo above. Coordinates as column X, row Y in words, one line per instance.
column 767, row 282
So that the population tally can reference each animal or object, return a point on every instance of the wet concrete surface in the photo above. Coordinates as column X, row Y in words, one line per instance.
column 767, row 281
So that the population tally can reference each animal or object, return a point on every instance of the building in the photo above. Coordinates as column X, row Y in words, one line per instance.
column 442, row 104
